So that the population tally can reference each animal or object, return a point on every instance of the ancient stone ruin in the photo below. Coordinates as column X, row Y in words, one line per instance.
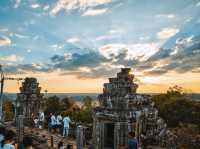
column 29, row 100
column 122, row 110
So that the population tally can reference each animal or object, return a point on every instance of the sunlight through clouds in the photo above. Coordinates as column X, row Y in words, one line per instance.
column 166, row 33
column 92, row 39
column 4, row 41
column 94, row 12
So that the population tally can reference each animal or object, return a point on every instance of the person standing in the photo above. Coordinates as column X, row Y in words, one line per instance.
column 132, row 141
column 41, row 119
column 53, row 122
column 49, row 122
column 59, row 122
column 66, row 121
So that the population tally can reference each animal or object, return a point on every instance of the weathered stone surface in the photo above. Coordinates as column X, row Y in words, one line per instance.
column 122, row 110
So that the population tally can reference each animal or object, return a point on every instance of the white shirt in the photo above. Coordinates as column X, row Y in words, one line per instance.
column 7, row 146
column 1, row 137
column 36, row 121
column 41, row 117
column 58, row 119
column 53, row 120
column 66, row 121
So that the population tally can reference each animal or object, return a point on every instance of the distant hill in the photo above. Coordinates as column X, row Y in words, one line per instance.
column 80, row 96
column 76, row 96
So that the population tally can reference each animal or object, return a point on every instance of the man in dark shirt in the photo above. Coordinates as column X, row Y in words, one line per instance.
column 132, row 141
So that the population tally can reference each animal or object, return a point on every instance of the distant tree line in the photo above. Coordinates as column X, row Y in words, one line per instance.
column 65, row 106
column 68, row 106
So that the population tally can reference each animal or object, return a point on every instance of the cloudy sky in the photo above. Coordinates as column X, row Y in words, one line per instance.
column 75, row 45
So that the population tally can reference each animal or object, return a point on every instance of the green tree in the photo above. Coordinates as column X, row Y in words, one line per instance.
column 182, row 116
column 87, row 101
column 8, row 109
column 53, row 105
column 67, row 103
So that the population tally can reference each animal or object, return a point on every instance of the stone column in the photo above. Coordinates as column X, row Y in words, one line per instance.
column 121, row 134
column 20, row 129
column 79, row 137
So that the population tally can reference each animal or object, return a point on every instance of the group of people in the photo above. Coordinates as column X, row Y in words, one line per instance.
column 58, row 122
column 7, row 140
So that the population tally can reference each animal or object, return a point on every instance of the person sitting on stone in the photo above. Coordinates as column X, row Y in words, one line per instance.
column 28, row 142
column 132, row 141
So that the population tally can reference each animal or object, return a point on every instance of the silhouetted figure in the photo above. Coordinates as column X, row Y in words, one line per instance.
column 60, row 145
column 28, row 142
column 70, row 146
column 49, row 122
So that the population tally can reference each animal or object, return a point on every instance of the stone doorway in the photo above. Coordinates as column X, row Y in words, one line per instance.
column 109, row 135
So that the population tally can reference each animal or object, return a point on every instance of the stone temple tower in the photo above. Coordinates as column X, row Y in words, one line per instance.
column 30, row 99
column 122, row 111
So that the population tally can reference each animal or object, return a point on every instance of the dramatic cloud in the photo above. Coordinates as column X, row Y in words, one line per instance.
column 182, row 58
column 103, row 71
column 140, row 51
column 91, row 59
column 95, row 38
column 155, row 72
column 73, row 40
column 4, row 41
column 12, row 58
column 25, row 68
column 166, row 33
column 94, row 12
column 92, row 64
column 77, row 4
